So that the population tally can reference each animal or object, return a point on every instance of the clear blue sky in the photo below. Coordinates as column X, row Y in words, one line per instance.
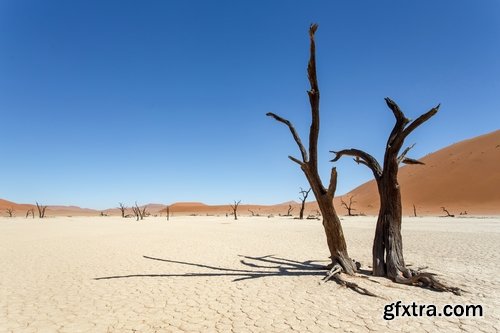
column 162, row 101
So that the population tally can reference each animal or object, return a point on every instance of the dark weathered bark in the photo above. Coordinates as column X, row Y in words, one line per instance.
column 168, row 213
column 289, row 212
column 303, row 199
column 388, row 259
column 234, row 207
column 309, row 165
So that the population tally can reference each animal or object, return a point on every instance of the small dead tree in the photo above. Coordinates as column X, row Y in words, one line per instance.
column 289, row 212
column 122, row 209
column 341, row 262
column 11, row 212
column 41, row 210
column 447, row 212
column 387, row 254
column 234, row 207
column 303, row 199
column 31, row 212
column 414, row 211
column 144, row 212
column 348, row 206
column 168, row 213
column 139, row 214
column 253, row 213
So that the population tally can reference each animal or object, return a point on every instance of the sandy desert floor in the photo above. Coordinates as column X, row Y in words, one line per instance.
column 214, row 274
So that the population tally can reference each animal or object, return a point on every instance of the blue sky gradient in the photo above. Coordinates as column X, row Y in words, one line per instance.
column 163, row 101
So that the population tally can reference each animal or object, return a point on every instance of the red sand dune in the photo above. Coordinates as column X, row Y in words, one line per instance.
column 462, row 177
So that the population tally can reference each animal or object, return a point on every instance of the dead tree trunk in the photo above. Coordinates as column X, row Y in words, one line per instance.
column 303, row 199
column 289, row 212
column 168, row 213
column 309, row 165
column 388, row 257
column 234, row 207
column 414, row 211
column 30, row 211
column 447, row 212
column 41, row 210
column 348, row 206
column 122, row 209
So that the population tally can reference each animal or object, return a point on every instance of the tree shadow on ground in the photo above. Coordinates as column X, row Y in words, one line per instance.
column 264, row 266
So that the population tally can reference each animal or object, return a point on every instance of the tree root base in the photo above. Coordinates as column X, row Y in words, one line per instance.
column 426, row 280
column 334, row 274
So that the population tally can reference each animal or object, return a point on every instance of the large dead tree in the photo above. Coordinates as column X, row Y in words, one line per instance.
column 309, row 165
column 303, row 198
column 122, row 208
column 387, row 255
column 234, row 207
column 348, row 206
column 41, row 210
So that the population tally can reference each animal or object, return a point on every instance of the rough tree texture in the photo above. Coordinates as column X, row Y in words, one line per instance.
column 309, row 165
column 388, row 259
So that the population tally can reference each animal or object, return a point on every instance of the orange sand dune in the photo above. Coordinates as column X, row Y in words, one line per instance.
column 462, row 177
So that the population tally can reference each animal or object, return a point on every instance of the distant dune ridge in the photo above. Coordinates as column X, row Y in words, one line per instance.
column 463, row 177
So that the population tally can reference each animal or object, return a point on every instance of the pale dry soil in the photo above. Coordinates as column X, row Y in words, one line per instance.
column 214, row 274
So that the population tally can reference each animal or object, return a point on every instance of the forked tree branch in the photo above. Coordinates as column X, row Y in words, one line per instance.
column 403, row 154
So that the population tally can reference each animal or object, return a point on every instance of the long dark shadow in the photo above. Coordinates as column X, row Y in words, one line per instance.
column 283, row 267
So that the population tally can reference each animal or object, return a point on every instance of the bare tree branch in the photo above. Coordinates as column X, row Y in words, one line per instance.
column 407, row 160
column 294, row 134
column 360, row 157
column 401, row 121
column 420, row 120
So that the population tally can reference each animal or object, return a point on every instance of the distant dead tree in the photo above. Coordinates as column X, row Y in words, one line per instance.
column 103, row 214
column 144, row 212
column 253, row 213
column 122, row 209
column 303, row 199
column 10, row 212
column 138, row 212
column 41, row 210
column 234, row 207
column 31, row 212
column 341, row 262
column 168, row 213
column 388, row 259
column 289, row 212
column 447, row 212
column 414, row 211
column 348, row 206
